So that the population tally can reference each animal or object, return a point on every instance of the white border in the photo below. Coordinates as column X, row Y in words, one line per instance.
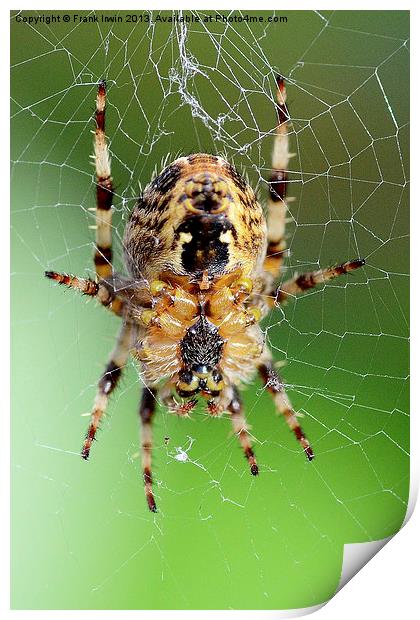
column 388, row 585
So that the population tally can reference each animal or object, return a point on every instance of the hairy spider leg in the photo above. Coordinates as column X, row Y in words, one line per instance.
column 277, row 212
column 277, row 199
column 240, row 428
column 107, row 383
column 104, row 191
column 274, row 384
column 91, row 288
column 147, row 409
column 305, row 281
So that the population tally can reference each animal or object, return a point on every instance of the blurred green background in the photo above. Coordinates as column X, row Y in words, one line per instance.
column 82, row 535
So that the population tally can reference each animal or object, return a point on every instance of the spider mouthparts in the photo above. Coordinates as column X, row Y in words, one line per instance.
column 254, row 469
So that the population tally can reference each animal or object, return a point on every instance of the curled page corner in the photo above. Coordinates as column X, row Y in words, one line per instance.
column 356, row 556
column 412, row 498
column 295, row 613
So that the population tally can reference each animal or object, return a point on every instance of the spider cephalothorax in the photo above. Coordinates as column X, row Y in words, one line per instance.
column 201, row 349
column 203, row 262
column 202, row 335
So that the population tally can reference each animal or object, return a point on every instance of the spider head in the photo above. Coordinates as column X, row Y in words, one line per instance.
column 201, row 350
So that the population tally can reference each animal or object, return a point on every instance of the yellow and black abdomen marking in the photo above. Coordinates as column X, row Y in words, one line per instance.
column 203, row 232
column 198, row 215
column 204, row 244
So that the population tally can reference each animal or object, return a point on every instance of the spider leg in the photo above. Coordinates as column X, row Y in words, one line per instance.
column 147, row 409
column 274, row 384
column 305, row 281
column 89, row 287
column 240, row 428
column 277, row 200
column 104, row 191
column 107, row 384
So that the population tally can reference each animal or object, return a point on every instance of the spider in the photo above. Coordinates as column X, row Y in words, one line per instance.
column 203, row 261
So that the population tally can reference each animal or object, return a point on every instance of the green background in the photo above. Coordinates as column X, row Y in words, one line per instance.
column 82, row 535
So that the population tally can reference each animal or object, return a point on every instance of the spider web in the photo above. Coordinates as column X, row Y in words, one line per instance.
column 274, row 542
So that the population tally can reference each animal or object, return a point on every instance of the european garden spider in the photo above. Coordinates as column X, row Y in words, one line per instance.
column 203, row 263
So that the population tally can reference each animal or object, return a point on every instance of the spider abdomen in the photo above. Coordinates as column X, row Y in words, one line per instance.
column 197, row 215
